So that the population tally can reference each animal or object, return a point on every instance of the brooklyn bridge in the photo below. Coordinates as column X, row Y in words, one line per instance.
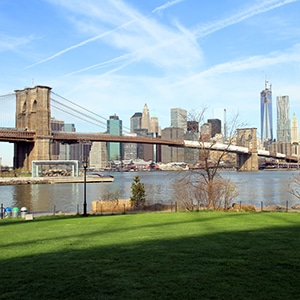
column 32, row 135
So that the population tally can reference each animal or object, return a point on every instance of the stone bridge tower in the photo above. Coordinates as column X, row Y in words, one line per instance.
column 33, row 114
column 246, row 137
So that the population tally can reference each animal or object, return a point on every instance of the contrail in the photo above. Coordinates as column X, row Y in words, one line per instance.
column 199, row 32
column 162, row 7
column 97, row 37
column 240, row 16
column 166, row 5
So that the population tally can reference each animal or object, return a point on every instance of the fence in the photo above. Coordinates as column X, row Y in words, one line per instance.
column 102, row 207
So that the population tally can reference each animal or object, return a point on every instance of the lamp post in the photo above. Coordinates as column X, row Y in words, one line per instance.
column 84, row 164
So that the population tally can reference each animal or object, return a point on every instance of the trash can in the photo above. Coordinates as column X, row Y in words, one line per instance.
column 7, row 212
column 23, row 211
column 15, row 212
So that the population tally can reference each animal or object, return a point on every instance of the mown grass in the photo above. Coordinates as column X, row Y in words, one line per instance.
column 207, row 255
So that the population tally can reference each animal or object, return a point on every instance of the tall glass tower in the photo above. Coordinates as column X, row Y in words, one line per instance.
column 114, row 127
column 136, row 122
column 283, row 119
column 266, row 119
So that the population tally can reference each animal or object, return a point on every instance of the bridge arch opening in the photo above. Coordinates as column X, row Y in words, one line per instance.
column 24, row 108
column 34, row 105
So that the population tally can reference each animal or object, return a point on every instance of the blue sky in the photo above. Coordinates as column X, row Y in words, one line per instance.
column 113, row 56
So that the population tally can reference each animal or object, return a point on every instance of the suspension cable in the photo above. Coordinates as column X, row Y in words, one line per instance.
column 77, row 111
column 78, row 117
column 89, row 111
column 7, row 95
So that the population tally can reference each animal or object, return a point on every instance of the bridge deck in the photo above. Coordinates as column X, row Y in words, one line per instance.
column 73, row 137
column 16, row 135
column 22, row 135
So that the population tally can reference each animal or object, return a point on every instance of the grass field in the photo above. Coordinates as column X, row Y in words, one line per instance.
column 204, row 255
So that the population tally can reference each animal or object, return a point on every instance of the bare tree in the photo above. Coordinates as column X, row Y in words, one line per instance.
column 294, row 186
column 183, row 193
column 112, row 198
column 208, row 188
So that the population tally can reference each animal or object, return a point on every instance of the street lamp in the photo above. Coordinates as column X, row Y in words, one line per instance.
column 85, row 165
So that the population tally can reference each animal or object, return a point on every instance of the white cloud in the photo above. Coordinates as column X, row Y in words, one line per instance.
column 10, row 43
column 139, row 40
column 259, row 8
column 260, row 62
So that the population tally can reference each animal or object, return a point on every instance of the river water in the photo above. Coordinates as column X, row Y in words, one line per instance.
column 269, row 187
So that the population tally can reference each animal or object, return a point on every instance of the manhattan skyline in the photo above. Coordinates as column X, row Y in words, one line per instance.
column 114, row 56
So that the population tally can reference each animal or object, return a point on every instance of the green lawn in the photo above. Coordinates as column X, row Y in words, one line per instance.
column 204, row 255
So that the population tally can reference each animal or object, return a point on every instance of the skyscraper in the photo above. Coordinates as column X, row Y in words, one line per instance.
column 266, row 119
column 283, row 119
column 136, row 122
column 154, row 126
column 216, row 126
column 145, row 118
column 295, row 130
column 114, row 127
column 179, row 118
column 172, row 154
column 98, row 156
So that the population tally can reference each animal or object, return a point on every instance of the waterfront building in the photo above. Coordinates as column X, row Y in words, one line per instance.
column 130, row 149
column 191, row 155
column 205, row 131
column 68, row 151
column 172, row 154
column 145, row 151
column 285, row 148
column 216, row 126
column 155, row 131
column 179, row 118
column 61, row 151
column 114, row 127
column 193, row 126
column 295, row 130
column 283, row 119
column 266, row 117
column 295, row 136
column 98, row 156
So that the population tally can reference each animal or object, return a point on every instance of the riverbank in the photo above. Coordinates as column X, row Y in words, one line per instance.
column 53, row 180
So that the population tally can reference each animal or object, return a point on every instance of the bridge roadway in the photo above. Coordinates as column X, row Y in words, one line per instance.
column 22, row 135
column 16, row 135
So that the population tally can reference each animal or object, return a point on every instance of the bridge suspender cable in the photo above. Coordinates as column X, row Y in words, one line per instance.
column 83, row 108
column 77, row 111
column 7, row 95
column 76, row 116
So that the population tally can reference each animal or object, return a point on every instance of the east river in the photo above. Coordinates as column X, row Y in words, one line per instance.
column 269, row 187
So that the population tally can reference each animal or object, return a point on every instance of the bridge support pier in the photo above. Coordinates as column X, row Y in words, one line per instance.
column 33, row 113
column 246, row 137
